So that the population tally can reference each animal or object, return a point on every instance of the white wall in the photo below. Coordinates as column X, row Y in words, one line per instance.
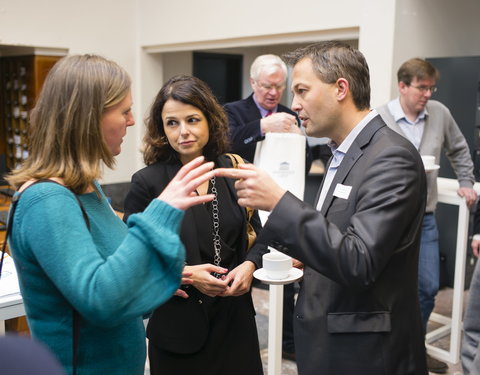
column 173, row 24
column 435, row 28
column 388, row 32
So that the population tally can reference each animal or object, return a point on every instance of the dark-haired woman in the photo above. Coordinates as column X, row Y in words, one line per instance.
column 209, row 326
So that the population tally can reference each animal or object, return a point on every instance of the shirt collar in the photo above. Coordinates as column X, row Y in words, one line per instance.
column 262, row 110
column 398, row 114
column 347, row 142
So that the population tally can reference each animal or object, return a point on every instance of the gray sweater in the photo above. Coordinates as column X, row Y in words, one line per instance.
column 441, row 132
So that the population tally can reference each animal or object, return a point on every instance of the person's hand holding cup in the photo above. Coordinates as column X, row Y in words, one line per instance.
column 277, row 265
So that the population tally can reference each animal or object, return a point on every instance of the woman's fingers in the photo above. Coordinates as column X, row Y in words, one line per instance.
column 181, row 293
column 189, row 166
column 199, row 174
column 180, row 192
column 198, row 199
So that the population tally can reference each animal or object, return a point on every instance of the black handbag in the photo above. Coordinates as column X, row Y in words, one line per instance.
column 181, row 325
column 75, row 314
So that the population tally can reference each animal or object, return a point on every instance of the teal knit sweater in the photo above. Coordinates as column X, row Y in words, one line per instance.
column 110, row 274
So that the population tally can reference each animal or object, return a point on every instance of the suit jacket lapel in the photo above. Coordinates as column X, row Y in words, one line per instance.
column 346, row 165
column 323, row 181
column 398, row 129
column 351, row 157
column 252, row 111
column 172, row 169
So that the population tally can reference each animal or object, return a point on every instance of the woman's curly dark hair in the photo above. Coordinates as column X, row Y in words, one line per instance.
column 193, row 91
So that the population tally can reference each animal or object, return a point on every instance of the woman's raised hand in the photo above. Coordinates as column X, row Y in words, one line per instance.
column 180, row 192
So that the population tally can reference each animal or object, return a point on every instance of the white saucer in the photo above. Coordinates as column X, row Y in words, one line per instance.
column 432, row 168
column 294, row 275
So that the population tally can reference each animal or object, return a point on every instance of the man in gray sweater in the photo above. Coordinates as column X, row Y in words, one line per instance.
column 429, row 125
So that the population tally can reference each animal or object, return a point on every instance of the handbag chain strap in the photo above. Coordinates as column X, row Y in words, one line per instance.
column 217, row 246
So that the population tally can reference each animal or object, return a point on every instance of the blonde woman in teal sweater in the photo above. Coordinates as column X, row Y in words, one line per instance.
column 108, row 272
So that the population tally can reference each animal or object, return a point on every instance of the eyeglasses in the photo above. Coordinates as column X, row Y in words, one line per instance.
column 268, row 86
column 424, row 89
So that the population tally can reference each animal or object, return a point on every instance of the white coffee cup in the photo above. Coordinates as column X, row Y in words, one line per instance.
column 428, row 161
column 277, row 265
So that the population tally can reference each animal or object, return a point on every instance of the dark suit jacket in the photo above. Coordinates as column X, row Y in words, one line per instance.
column 181, row 325
column 244, row 124
column 357, row 310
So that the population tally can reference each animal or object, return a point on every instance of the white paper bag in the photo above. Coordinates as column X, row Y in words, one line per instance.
column 282, row 156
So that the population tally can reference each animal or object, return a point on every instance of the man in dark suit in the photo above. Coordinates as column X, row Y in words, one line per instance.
column 248, row 120
column 357, row 310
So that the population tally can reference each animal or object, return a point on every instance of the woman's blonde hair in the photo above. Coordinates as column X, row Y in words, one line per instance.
column 65, row 135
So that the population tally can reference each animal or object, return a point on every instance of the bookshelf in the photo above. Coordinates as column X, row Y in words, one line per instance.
column 21, row 79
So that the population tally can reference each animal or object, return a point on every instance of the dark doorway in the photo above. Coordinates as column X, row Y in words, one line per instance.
column 222, row 72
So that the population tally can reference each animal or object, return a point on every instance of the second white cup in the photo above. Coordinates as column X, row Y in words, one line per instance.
column 428, row 161
column 277, row 265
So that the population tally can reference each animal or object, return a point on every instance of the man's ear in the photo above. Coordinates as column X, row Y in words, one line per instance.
column 402, row 86
column 343, row 87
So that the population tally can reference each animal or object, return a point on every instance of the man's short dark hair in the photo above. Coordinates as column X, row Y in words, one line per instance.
column 333, row 60
column 416, row 68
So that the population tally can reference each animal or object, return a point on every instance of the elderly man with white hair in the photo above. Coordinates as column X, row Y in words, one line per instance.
column 249, row 119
